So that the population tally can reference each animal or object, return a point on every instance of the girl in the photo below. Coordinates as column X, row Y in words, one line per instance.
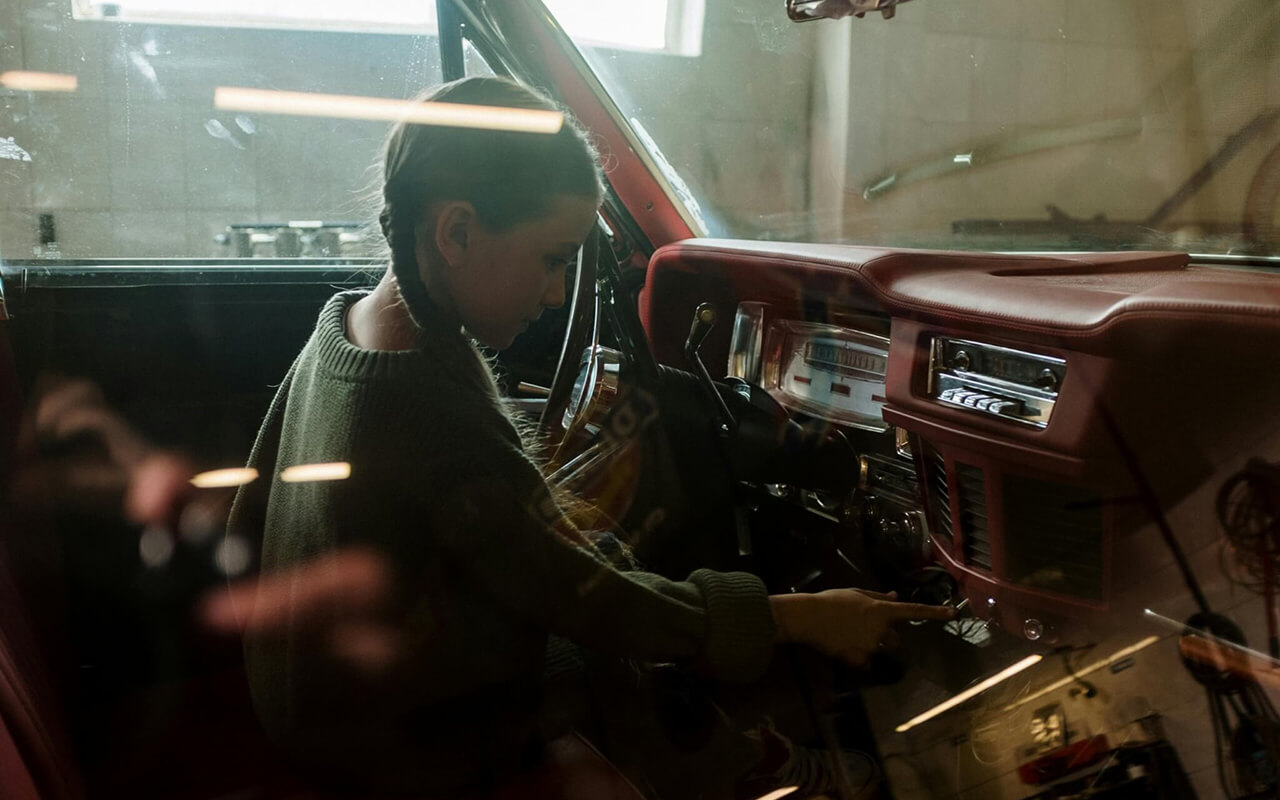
column 482, row 226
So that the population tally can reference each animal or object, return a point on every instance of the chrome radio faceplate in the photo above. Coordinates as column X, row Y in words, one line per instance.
column 997, row 381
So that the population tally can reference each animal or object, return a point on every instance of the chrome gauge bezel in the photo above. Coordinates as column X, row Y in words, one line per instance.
column 594, row 390
column 746, row 345
column 779, row 355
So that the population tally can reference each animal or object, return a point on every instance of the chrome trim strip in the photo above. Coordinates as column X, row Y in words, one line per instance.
column 746, row 343
column 127, row 274
column 1054, row 360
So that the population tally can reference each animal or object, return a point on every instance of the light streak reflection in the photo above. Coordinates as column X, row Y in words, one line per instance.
column 307, row 473
column 27, row 81
column 458, row 115
column 222, row 478
column 973, row 691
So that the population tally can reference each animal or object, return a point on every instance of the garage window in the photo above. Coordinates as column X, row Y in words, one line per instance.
column 667, row 26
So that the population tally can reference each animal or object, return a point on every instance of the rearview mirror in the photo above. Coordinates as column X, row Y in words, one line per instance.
column 809, row 10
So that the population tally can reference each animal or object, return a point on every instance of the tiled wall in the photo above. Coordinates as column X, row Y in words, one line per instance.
column 778, row 127
column 138, row 163
column 735, row 121
column 944, row 78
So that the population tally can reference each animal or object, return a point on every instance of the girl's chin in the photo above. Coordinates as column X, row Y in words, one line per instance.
column 493, row 340
column 497, row 342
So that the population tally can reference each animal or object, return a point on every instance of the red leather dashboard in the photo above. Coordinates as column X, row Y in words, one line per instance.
column 1171, row 367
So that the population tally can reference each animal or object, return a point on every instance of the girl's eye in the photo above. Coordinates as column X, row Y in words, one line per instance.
column 555, row 263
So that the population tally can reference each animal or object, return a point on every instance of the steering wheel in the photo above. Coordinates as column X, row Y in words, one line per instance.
column 582, row 332
column 587, row 379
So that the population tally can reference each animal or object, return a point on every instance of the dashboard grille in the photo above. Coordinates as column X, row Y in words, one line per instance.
column 939, row 495
column 971, row 502
column 1054, row 537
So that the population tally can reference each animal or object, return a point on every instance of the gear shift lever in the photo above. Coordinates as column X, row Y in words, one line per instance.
column 704, row 319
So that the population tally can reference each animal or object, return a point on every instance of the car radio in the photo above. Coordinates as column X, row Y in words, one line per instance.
column 997, row 381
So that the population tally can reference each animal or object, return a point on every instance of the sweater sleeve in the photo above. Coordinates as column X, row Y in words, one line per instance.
column 501, row 530
column 249, row 509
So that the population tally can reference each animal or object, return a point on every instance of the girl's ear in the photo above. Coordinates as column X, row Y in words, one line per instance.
column 455, row 225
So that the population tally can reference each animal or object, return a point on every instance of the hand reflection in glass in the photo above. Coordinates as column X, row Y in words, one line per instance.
column 338, row 596
column 74, row 446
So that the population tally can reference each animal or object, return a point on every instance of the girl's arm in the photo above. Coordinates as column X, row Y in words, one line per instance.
column 503, row 531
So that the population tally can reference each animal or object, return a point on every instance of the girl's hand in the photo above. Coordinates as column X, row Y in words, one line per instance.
column 848, row 624
column 340, row 596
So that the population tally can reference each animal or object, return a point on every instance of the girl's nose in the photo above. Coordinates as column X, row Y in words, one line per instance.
column 555, row 293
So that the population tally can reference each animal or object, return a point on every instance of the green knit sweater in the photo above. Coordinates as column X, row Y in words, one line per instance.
column 441, row 487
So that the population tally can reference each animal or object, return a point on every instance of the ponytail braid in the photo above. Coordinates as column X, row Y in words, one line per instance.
column 399, row 226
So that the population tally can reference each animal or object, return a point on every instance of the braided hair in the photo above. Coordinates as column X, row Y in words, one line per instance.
column 509, row 177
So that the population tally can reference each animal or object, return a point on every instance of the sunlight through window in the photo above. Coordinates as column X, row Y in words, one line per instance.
column 655, row 25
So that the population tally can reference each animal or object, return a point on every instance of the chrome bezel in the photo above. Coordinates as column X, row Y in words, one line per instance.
column 746, row 345
column 1039, row 402
column 594, row 389
column 776, row 336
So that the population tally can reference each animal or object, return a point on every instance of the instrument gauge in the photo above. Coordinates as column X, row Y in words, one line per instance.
column 826, row 371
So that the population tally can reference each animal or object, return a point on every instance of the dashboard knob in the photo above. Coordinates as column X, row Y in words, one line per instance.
column 961, row 360
column 916, row 531
column 891, row 528
column 1047, row 380
column 1033, row 629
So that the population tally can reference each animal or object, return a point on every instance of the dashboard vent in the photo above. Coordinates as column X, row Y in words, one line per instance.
column 971, row 503
column 939, row 495
column 1054, row 537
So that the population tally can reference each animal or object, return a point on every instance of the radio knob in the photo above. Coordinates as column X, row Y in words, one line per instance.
column 891, row 529
column 1047, row 380
column 960, row 360
column 913, row 523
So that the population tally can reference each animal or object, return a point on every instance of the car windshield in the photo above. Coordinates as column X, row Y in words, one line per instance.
column 968, row 124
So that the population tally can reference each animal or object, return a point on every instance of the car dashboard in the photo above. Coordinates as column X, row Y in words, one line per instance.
column 1022, row 422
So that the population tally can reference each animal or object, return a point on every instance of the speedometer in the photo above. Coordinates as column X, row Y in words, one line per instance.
column 826, row 371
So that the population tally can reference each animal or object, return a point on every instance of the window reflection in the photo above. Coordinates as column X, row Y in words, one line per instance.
column 137, row 162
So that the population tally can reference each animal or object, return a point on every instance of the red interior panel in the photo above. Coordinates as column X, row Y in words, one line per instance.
column 1155, row 348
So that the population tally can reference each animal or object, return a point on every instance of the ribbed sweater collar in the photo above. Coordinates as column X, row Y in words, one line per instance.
column 439, row 345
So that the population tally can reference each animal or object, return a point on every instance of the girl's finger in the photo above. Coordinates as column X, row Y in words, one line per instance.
column 887, row 596
column 906, row 611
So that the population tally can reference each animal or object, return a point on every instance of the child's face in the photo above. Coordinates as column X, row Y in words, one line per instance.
column 508, row 278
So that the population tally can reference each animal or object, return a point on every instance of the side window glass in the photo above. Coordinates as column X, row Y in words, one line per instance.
column 112, row 144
